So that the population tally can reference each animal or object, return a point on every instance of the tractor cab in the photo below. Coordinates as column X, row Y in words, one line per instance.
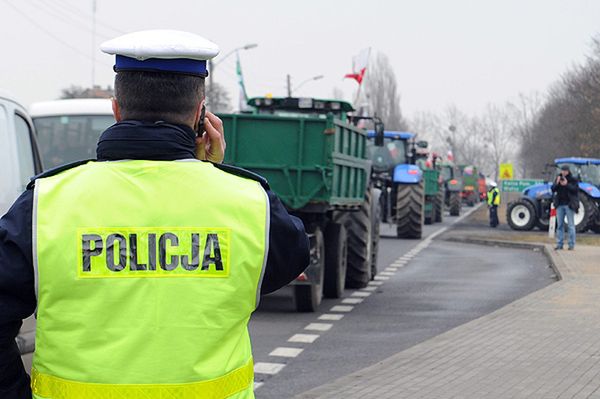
column 393, row 152
column 300, row 107
column 586, row 170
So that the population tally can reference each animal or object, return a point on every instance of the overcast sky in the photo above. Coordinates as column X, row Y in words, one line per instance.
column 444, row 52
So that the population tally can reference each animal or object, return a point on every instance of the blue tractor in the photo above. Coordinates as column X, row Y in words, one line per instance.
column 401, row 182
column 533, row 208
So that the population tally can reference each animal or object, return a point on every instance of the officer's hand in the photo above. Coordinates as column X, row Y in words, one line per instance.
column 211, row 146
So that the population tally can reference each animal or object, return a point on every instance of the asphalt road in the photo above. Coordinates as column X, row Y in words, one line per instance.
column 442, row 286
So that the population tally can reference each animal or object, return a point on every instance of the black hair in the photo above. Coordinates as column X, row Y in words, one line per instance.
column 158, row 96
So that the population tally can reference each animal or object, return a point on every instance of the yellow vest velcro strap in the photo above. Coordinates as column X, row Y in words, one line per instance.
column 49, row 386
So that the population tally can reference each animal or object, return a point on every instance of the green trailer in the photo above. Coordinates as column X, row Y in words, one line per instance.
column 316, row 162
column 433, row 191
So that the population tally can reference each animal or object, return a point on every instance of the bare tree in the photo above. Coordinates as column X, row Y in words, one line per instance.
column 337, row 94
column 75, row 91
column 381, row 91
column 218, row 99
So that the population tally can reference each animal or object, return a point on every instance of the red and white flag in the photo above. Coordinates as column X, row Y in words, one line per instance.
column 359, row 65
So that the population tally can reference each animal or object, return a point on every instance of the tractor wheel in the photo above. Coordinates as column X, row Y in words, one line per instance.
column 358, row 226
column 307, row 298
column 438, row 206
column 542, row 224
column 521, row 215
column 454, row 203
column 410, row 202
column 585, row 215
column 336, row 251
column 376, row 218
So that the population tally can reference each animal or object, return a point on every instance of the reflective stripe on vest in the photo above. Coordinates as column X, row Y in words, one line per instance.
column 148, row 272
column 223, row 387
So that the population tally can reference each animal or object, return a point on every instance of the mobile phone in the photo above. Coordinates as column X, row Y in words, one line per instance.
column 200, row 130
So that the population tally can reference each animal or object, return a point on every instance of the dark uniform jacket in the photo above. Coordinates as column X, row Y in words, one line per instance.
column 568, row 194
column 288, row 252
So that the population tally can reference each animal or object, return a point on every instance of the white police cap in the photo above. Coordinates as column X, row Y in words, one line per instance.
column 161, row 51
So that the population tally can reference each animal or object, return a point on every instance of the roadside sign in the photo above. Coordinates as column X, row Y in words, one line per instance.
column 517, row 185
column 506, row 171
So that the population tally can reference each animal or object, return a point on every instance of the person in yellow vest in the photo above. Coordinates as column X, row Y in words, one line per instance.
column 144, row 265
column 493, row 200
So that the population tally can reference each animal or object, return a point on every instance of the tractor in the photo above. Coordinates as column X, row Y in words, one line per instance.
column 470, row 190
column 452, row 180
column 401, row 182
column 533, row 208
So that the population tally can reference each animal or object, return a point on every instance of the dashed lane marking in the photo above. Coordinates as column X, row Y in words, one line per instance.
column 387, row 273
column 381, row 278
column 319, row 326
column 352, row 301
column 370, row 288
column 268, row 368
column 283, row 351
column 360, row 294
column 341, row 308
column 331, row 317
column 304, row 338
column 375, row 282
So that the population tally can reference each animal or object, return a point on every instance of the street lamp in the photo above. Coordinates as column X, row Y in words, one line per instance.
column 212, row 65
column 289, row 83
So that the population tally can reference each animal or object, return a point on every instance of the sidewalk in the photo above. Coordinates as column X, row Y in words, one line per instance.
column 545, row 345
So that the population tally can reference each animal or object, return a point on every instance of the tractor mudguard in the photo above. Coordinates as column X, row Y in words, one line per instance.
column 407, row 174
column 591, row 190
column 538, row 191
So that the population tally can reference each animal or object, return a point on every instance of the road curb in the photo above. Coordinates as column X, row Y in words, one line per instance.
column 556, row 263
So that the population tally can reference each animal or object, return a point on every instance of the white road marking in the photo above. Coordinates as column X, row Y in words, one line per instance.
column 381, row 278
column 283, row 351
column 352, row 301
column 319, row 326
column 370, row 288
column 391, row 269
column 361, row 294
column 304, row 338
column 329, row 316
column 258, row 385
column 341, row 308
column 375, row 282
column 387, row 273
column 268, row 368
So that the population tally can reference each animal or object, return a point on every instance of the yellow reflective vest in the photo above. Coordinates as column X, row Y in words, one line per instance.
column 147, row 273
column 493, row 196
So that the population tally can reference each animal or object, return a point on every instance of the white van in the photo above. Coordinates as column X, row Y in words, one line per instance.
column 19, row 155
column 68, row 130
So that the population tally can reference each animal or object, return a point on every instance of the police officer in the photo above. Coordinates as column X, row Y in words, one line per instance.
column 146, row 264
column 493, row 200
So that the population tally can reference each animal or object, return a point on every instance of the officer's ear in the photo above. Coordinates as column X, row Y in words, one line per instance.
column 116, row 110
column 199, row 112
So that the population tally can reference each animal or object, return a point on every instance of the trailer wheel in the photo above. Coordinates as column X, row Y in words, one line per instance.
column 336, row 252
column 410, row 203
column 307, row 298
column 438, row 206
column 454, row 203
column 521, row 215
column 358, row 228
column 376, row 220
column 471, row 198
